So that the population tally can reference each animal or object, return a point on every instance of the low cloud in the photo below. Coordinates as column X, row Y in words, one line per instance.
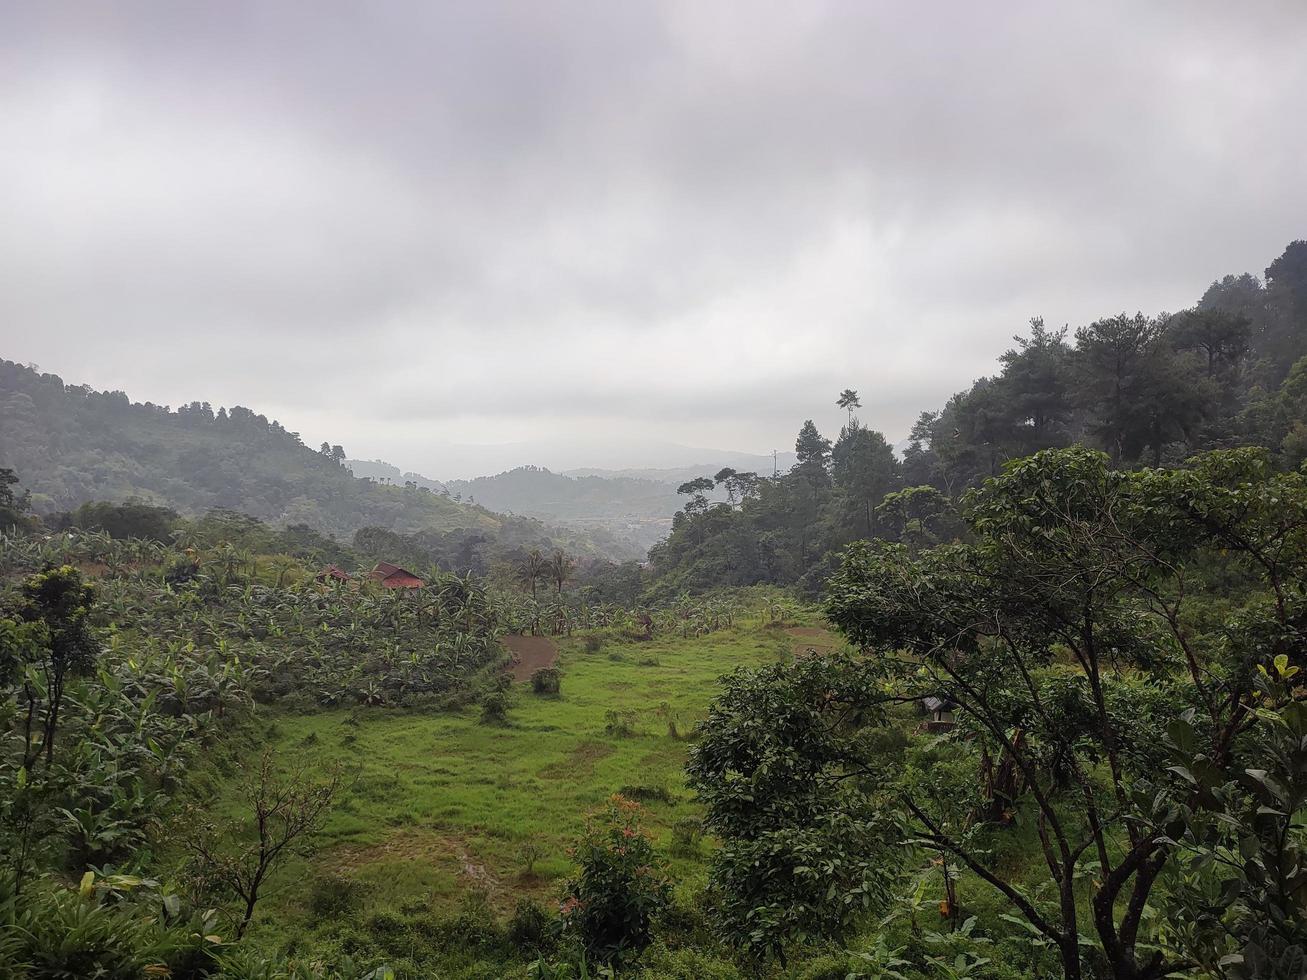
column 402, row 226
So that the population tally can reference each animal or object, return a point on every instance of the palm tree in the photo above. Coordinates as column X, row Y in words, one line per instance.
column 560, row 569
column 849, row 400
column 533, row 568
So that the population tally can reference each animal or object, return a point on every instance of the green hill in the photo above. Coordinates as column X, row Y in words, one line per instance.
column 71, row 444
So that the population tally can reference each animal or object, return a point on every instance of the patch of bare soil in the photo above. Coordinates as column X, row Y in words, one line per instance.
column 530, row 653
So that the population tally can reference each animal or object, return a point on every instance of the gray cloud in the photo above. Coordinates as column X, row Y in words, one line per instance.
column 400, row 226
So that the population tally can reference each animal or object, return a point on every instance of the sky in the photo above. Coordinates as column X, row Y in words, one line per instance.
column 587, row 233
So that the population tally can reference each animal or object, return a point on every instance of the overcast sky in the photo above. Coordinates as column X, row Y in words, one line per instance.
column 402, row 226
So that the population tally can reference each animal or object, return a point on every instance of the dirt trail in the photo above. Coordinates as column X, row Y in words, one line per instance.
column 530, row 653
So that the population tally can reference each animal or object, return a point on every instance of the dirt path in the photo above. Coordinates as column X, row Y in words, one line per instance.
column 530, row 653
column 812, row 639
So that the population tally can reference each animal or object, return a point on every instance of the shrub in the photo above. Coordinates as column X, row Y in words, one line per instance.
column 494, row 708
column 529, row 928
column 593, row 644
column 619, row 887
column 644, row 794
column 619, row 724
column 335, row 895
column 530, row 852
column 686, row 834
column 680, row 964
column 547, row 681
column 474, row 928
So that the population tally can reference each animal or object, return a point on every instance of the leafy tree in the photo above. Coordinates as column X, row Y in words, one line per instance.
column 786, row 777
column 1222, row 339
column 849, row 400
column 59, row 602
column 133, row 519
column 1137, row 393
column 1283, row 339
column 532, row 568
column 1035, row 388
column 1064, row 637
column 1244, row 873
column 619, row 888
column 561, row 567
column 726, row 477
column 282, row 809
column 864, row 469
column 13, row 505
column 813, row 452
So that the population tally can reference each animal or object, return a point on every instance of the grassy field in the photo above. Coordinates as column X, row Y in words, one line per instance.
column 442, row 805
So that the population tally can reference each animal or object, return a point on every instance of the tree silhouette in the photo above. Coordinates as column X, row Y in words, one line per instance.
column 849, row 400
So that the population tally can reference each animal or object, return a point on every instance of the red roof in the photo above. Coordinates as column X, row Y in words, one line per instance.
column 394, row 577
column 333, row 572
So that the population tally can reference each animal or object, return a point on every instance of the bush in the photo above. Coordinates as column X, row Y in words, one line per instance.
column 619, row 724
column 644, row 794
column 686, row 834
column 474, row 928
column 529, row 929
column 332, row 896
column 689, row 964
column 593, row 644
column 547, row 681
column 494, row 708
column 619, row 888
column 73, row 933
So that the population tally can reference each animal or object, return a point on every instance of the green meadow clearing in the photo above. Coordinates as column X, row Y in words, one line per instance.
column 440, row 807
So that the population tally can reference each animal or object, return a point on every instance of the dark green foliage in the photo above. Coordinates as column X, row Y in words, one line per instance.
column 806, row 850
column 494, row 707
column 1064, row 635
column 547, row 681
column 335, row 896
column 1245, row 870
column 13, row 505
column 530, row 930
column 59, row 603
column 131, row 519
column 646, row 794
column 1147, row 389
column 72, row 445
column 619, row 888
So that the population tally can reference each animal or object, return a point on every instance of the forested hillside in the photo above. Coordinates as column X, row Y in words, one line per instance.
column 1147, row 389
column 538, row 492
column 71, row 444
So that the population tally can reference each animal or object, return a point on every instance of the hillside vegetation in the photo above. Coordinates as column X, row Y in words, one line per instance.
column 1146, row 389
column 72, row 444
column 1045, row 715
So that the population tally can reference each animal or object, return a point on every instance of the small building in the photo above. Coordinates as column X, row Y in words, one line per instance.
column 332, row 573
column 394, row 577
column 940, row 711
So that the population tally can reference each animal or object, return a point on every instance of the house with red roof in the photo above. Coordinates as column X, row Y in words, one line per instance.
column 394, row 577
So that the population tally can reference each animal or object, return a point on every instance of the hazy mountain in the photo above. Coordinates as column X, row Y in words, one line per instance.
column 382, row 472
column 70, row 444
column 676, row 475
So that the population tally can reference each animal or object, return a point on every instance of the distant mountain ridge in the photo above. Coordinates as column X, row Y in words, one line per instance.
column 71, row 444
column 634, row 504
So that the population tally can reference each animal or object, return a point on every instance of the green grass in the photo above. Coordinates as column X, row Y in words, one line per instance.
column 441, row 805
